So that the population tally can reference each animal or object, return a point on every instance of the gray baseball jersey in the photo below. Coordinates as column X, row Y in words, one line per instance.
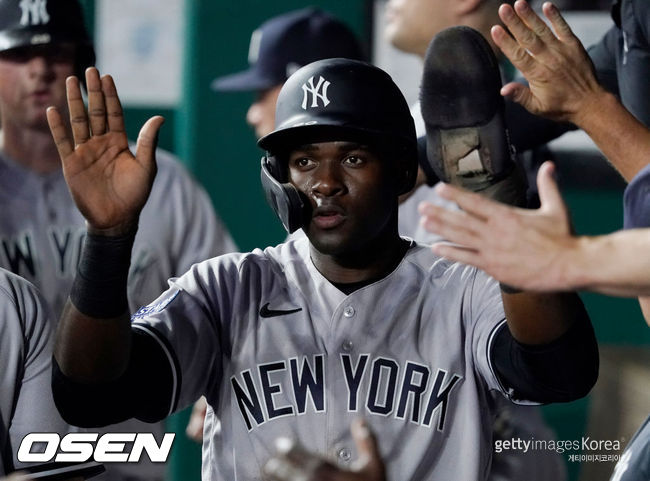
column 41, row 231
column 278, row 350
column 26, row 403
column 634, row 464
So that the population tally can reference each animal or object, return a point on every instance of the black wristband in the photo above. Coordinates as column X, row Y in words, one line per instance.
column 99, row 288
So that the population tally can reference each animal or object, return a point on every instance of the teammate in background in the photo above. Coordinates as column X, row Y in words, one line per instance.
column 279, row 47
column 536, row 250
column 26, row 339
column 264, row 335
column 41, row 229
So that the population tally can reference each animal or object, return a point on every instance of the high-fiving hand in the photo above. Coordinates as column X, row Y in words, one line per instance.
column 562, row 82
column 527, row 249
column 108, row 183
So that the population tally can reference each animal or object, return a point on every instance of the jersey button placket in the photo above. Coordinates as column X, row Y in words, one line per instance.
column 349, row 312
column 344, row 455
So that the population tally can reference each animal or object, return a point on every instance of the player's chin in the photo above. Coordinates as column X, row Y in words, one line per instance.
column 330, row 242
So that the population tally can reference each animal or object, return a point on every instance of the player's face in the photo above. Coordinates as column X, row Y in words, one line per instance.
column 353, row 195
column 32, row 79
column 261, row 113
column 411, row 24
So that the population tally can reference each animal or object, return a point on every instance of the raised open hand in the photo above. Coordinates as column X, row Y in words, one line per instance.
column 108, row 183
column 562, row 83
column 523, row 248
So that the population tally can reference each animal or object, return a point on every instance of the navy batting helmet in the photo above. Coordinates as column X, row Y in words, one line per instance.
column 25, row 23
column 335, row 99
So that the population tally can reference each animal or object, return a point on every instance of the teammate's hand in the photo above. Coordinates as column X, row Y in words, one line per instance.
column 293, row 463
column 194, row 428
column 523, row 248
column 561, row 76
column 109, row 185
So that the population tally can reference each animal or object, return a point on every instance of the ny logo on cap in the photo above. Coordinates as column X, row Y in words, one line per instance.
column 317, row 92
column 34, row 12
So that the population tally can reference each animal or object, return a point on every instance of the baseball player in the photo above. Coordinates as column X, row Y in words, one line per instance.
column 279, row 47
column 26, row 340
column 302, row 338
column 41, row 230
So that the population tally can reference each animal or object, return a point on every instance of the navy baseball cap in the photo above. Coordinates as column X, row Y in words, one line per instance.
column 283, row 44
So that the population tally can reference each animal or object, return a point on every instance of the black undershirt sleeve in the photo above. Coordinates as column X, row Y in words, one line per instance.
column 144, row 391
column 561, row 371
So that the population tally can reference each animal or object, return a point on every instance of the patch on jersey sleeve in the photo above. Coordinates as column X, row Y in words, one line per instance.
column 155, row 306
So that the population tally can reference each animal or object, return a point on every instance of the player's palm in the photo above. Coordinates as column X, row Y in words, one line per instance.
column 108, row 183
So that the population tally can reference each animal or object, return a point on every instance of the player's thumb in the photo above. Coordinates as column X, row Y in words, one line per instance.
column 369, row 461
column 519, row 93
column 148, row 140
column 549, row 194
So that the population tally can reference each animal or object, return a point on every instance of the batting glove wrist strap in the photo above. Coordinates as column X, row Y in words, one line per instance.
column 99, row 288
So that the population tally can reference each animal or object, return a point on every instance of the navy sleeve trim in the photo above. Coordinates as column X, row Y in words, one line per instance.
column 561, row 371
column 171, row 358
column 144, row 391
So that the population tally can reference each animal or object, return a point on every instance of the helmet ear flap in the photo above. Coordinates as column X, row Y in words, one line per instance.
column 285, row 200
column 410, row 173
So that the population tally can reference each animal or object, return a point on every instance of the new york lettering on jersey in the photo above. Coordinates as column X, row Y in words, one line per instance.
column 282, row 351
column 401, row 391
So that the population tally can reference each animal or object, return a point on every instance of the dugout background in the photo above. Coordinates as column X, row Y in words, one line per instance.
column 207, row 130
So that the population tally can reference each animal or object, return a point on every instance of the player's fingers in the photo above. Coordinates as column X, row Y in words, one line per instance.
column 549, row 194
column 519, row 57
column 96, row 103
column 194, row 428
column 455, row 234
column 457, row 254
column 78, row 117
column 472, row 203
column 114, row 112
column 534, row 22
column 521, row 94
column 370, row 460
column 456, row 226
column 523, row 35
column 432, row 214
column 281, row 469
column 59, row 133
column 560, row 26
column 147, row 140
column 292, row 462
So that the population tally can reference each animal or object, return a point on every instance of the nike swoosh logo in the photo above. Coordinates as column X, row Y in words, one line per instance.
column 266, row 312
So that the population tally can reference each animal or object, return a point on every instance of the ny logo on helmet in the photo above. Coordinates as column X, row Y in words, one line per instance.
column 34, row 12
column 317, row 92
